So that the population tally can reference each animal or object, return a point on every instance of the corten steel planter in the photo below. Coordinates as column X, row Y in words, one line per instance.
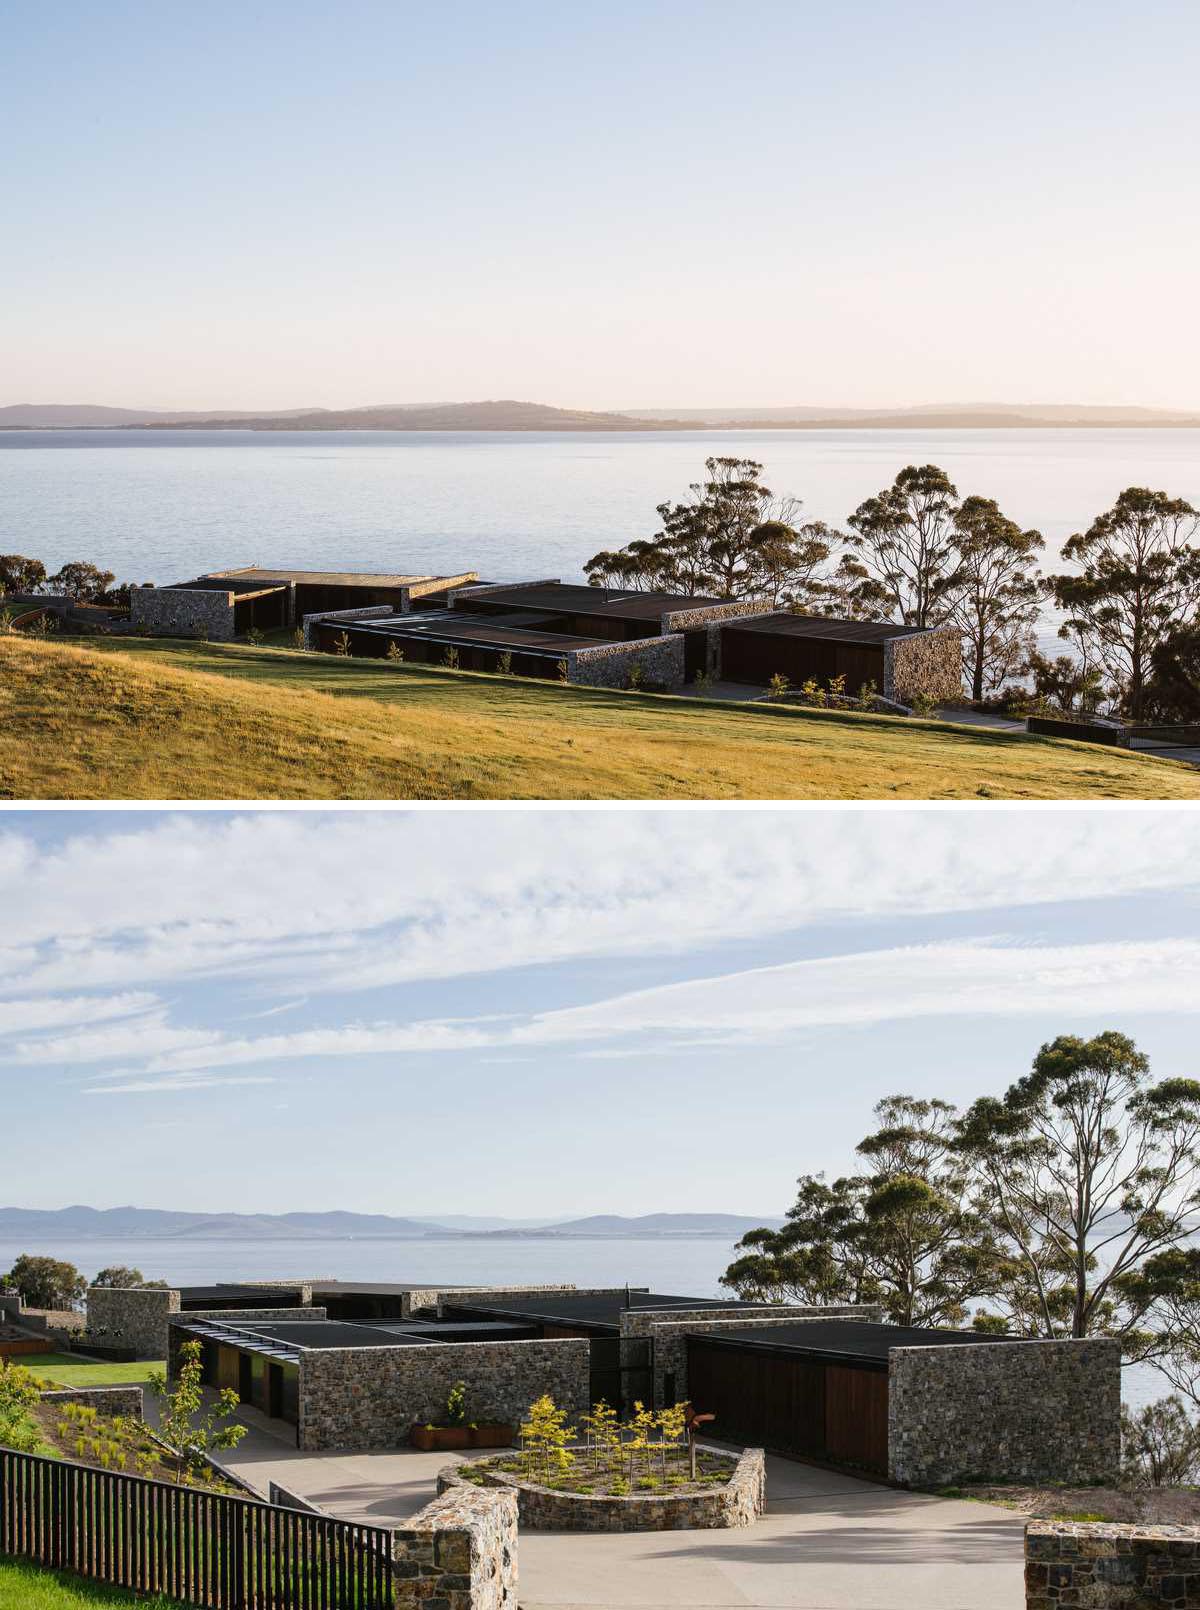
column 439, row 1439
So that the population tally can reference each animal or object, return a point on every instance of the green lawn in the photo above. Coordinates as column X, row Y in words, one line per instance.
column 24, row 1587
column 166, row 719
column 67, row 1369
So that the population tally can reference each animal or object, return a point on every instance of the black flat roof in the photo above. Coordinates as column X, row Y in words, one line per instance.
column 331, row 1333
column 844, row 1338
column 622, row 602
column 599, row 1309
column 784, row 624
column 527, row 630
column 229, row 1292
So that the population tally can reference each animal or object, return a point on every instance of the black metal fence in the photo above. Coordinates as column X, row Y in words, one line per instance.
column 202, row 1548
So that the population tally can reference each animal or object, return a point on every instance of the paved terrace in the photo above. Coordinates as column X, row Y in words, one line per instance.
column 827, row 1541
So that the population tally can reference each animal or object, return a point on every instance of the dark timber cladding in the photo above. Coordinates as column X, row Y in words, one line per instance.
column 804, row 647
column 816, row 1390
column 533, row 649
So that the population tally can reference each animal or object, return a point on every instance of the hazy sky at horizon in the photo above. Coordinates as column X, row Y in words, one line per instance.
column 411, row 1011
column 293, row 203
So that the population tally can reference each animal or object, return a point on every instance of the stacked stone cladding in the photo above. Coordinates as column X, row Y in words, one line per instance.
column 371, row 1397
column 183, row 612
column 543, row 1509
column 1102, row 1566
column 438, row 1298
column 1005, row 1412
column 458, row 1553
column 609, row 665
column 927, row 663
column 670, row 1328
column 331, row 616
column 132, row 1317
column 112, row 1400
column 234, row 1317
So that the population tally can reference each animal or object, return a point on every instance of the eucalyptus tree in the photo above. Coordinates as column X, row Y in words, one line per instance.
column 903, row 1233
column 1087, row 1169
column 902, row 562
column 994, row 594
column 1138, row 581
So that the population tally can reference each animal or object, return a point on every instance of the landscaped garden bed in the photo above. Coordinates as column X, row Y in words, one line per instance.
column 642, row 1475
column 455, row 1431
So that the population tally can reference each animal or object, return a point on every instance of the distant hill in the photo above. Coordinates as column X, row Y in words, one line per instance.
column 517, row 416
column 500, row 415
column 155, row 1223
column 648, row 1224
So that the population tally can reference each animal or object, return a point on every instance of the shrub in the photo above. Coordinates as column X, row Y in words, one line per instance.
column 703, row 681
column 777, row 686
column 563, row 669
column 341, row 644
column 394, row 652
column 254, row 636
column 504, row 663
column 1160, row 1445
column 298, row 637
column 456, row 1404
column 637, row 676
column 450, row 658
column 922, row 703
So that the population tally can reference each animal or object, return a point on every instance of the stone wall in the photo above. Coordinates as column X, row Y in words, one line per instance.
column 183, row 612
column 371, row 1397
column 925, row 663
column 1109, row 1567
column 546, row 1509
column 491, row 1296
column 685, row 620
column 671, row 1328
column 124, row 1400
column 1004, row 1412
column 133, row 1317
column 458, row 1553
column 230, row 1316
column 367, row 612
column 609, row 664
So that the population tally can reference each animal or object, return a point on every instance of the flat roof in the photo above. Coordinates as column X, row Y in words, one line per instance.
column 323, row 578
column 596, row 1309
column 845, row 1338
column 330, row 1333
column 230, row 1291
column 623, row 602
column 481, row 631
column 784, row 624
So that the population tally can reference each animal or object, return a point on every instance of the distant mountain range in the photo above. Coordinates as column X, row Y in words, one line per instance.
column 123, row 1223
column 509, row 415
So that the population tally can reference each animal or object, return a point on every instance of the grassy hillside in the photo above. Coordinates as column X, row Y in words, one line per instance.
column 152, row 719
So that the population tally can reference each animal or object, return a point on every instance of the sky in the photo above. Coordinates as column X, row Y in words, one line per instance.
column 554, row 1013
column 290, row 203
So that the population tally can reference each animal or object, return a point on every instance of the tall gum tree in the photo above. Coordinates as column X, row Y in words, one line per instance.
column 1138, row 580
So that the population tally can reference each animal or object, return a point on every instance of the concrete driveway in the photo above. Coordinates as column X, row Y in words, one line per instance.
column 827, row 1541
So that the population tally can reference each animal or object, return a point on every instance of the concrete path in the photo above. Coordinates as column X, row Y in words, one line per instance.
column 827, row 1541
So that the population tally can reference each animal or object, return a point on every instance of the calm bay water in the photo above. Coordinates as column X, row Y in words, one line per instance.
column 162, row 505
column 690, row 1266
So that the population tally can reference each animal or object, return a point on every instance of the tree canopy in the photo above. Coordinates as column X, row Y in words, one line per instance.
column 1138, row 581
column 46, row 1282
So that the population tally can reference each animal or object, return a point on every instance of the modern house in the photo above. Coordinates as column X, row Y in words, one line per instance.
column 593, row 636
column 915, row 1406
column 224, row 604
column 898, row 661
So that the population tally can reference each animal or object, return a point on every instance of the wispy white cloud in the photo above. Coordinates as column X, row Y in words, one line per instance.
column 302, row 903
column 769, row 1004
column 56, row 1012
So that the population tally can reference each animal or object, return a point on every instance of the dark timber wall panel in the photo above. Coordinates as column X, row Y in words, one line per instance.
column 808, row 1408
column 757, row 656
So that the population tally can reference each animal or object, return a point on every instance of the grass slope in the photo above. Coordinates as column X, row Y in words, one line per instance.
column 157, row 719
column 24, row 1587
column 66, row 1369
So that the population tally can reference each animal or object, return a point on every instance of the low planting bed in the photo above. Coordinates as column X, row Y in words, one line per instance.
column 729, row 1490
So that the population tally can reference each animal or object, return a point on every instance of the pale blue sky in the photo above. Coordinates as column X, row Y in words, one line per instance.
column 518, row 1014
column 677, row 203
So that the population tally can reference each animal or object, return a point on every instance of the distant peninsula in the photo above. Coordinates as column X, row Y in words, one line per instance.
column 509, row 415
column 127, row 1223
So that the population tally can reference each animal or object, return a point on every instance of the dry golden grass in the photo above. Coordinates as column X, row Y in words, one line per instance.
column 151, row 719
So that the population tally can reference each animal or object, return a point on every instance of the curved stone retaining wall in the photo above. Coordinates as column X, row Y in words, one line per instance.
column 544, row 1509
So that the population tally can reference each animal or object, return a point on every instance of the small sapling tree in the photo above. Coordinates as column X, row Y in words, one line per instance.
column 192, row 1432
